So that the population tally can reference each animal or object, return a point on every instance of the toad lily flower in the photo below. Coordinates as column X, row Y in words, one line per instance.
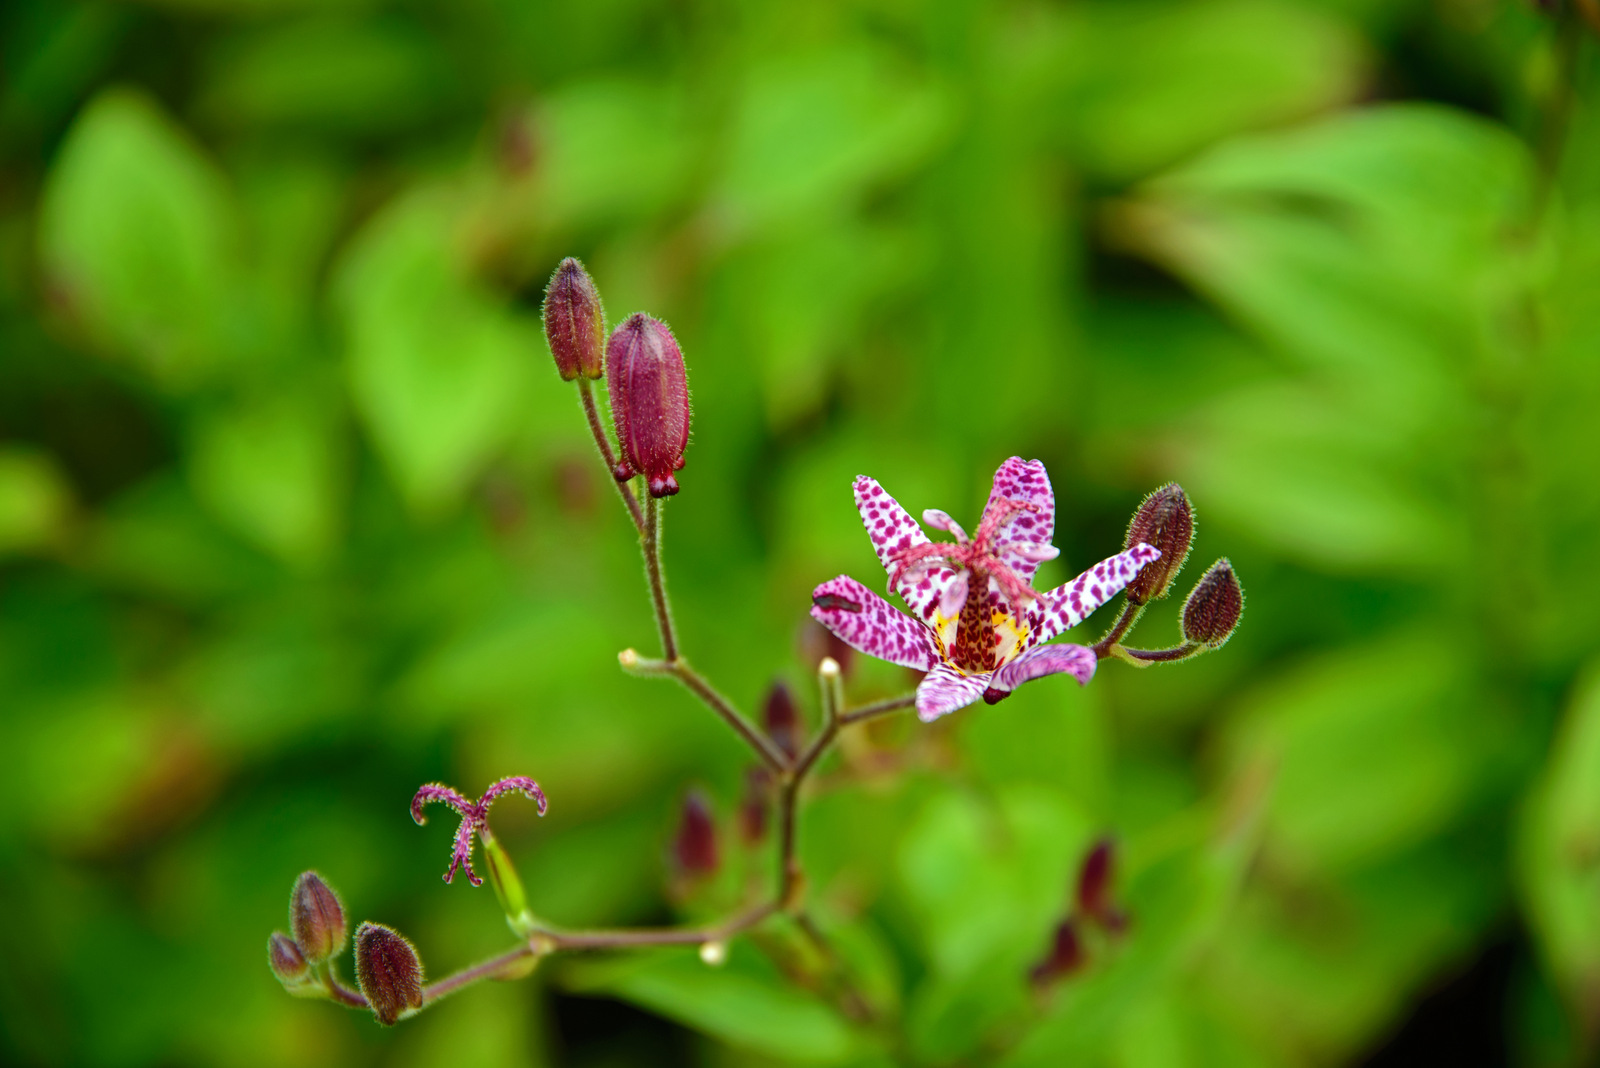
column 977, row 626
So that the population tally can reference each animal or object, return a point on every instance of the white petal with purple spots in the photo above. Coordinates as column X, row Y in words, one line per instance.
column 944, row 689
column 892, row 529
column 867, row 622
column 1070, row 604
column 1024, row 481
column 1075, row 660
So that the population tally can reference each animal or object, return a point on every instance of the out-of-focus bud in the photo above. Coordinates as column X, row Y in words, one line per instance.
column 695, row 848
column 782, row 719
column 1065, row 957
column 1095, row 879
column 714, row 953
column 1212, row 611
column 317, row 918
column 817, row 641
column 388, row 971
column 753, row 808
column 575, row 322
column 1166, row 522
column 285, row 958
column 649, row 402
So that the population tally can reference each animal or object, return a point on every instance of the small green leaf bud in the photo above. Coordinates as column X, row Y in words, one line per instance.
column 317, row 918
column 1212, row 611
column 1166, row 522
column 388, row 971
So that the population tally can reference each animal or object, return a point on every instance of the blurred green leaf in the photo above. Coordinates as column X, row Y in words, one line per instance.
column 138, row 238
column 35, row 501
column 437, row 366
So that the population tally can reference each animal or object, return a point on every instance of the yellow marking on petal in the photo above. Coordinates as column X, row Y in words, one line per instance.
column 1013, row 636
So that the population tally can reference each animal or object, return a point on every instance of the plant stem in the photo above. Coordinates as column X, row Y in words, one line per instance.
column 343, row 994
column 658, row 936
column 765, row 747
column 650, row 542
column 1162, row 656
column 878, row 708
column 486, row 969
column 1130, row 615
column 586, row 391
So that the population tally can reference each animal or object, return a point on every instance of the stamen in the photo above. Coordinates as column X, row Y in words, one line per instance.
column 954, row 594
column 942, row 521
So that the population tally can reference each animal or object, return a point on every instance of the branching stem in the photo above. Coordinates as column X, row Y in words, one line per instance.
column 603, row 443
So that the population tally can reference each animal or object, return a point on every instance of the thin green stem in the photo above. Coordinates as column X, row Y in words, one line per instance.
column 878, row 708
column 657, row 936
column 603, row 443
column 1160, row 656
column 486, row 969
column 1130, row 615
column 342, row 994
column 650, row 540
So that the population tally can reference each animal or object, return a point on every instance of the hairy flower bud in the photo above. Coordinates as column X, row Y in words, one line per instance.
column 782, row 720
column 695, row 848
column 575, row 321
column 388, row 971
column 1166, row 522
column 1065, row 957
column 285, row 958
column 649, row 402
column 1212, row 611
column 317, row 918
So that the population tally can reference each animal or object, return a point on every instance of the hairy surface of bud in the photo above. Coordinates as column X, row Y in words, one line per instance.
column 575, row 322
column 388, row 971
column 695, row 848
column 782, row 719
column 317, row 918
column 1212, row 611
column 1164, row 521
column 649, row 402
column 285, row 958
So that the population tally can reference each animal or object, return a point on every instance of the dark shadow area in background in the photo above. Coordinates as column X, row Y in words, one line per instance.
column 1462, row 1023
column 600, row 1031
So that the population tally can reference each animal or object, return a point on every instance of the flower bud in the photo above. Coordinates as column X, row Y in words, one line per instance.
column 388, row 971
column 1094, row 879
column 316, row 918
column 285, row 958
column 575, row 321
column 753, row 808
column 1212, row 611
column 649, row 402
column 695, row 848
column 782, row 720
column 1065, row 957
column 1166, row 522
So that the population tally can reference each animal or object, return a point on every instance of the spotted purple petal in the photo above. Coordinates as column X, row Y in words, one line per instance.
column 944, row 689
column 1075, row 660
column 1070, row 603
column 892, row 529
column 1026, row 482
column 867, row 622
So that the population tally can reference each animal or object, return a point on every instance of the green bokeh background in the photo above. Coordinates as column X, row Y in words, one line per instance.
column 295, row 514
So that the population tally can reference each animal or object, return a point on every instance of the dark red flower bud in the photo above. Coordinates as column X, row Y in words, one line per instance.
column 1212, row 611
column 1166, row 522
column 695, row 848
column 783, row 720
column 1094, row 879
column 285, row 958
column 317, row 918
column 388, row 971
column 753, row 808
column 1065, row 957
column 575, row 321
column 649, row 402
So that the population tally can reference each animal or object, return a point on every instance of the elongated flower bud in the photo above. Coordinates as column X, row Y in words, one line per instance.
column 317, row 918
column 575, row 322
column 285, row 958
column 649, row 402
column 1212, row 611
column 783, row 720
column 388, row 971
column 1065, row 957
column 753, row 807
column 1166, row 522
column 695, row 848
column 1095, row 880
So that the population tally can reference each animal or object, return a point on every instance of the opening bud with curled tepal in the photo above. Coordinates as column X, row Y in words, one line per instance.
column 317, row 918
column 388, row 971
column 695, row 847
column 649, row 402
column 1165, row 521
column 575, row 322
column 1212, row 611
column 286, row 960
